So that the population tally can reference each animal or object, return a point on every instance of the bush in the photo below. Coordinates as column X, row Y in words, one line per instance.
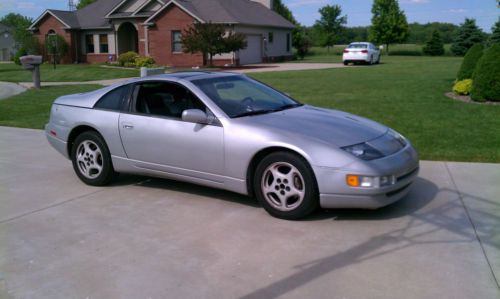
column 463, row 87
column 55, row 44
column 485, row 82
column 127, row 58
column 469, row 62
column 144, row 61
column 434, row 46
column 19, row 53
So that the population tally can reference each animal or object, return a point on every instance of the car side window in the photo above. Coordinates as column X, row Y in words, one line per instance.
column 165, row 99
column 113, row 100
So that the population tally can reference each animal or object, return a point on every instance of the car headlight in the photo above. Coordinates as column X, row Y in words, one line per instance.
column 363, row 151
column 365, row 181
column 400, row 138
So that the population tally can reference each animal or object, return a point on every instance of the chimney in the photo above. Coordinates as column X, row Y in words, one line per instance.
column 266, row 3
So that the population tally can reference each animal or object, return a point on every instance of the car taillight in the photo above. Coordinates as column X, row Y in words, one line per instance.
column 364, row 51
column 346, row 51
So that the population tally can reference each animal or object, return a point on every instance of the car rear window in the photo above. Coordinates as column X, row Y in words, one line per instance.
column 358, row 46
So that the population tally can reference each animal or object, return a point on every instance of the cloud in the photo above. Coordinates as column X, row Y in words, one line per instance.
column 298, row 3
column 456, row 10
column 416, row 1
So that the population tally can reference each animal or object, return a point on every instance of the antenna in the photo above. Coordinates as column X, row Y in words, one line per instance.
column 71, row 5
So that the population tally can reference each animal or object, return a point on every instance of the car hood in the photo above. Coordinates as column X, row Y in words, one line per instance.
column 331, row 126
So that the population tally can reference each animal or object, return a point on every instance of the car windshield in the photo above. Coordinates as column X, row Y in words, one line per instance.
column 358, row 46
column 240, row 96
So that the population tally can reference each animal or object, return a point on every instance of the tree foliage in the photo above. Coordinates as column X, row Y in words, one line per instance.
column 211, row 39
column 389, row 23
column 434, row 46
column 56, row 46
column 467, row 35
column 419, row 33
column 330, row 24
column 284, row 11
column 470, row 61
column 84, row 3
column 495, row 34
column 24, row 39
column 485, row 83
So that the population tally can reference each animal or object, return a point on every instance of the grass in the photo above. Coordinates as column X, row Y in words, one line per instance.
column 64, row 73
column 334, row 54
column 31, row 108
column 407, row 94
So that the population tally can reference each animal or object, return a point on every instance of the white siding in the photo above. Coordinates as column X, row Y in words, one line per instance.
column 278, row 47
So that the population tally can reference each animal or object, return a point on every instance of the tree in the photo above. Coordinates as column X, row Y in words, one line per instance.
column 56, row 46
column 495, row 34
column 485, row 83
column 467, row 35
column 24, row 39
column 469, row 62
column 330, row 24
column 434, row 46
column 284, row 11
column 303, row 44
column 84, row 3
column 211, row 39
column 389, row 23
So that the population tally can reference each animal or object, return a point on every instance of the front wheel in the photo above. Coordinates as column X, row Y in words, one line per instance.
column 92, row 160
column 285, row 185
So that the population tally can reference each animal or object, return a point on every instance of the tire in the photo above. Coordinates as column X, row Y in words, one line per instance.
column 371, row 60
column 92, row 160
column 285, row 185
column 346, row 62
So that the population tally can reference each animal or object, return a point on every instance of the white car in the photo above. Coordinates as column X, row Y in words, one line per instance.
column 361, row 52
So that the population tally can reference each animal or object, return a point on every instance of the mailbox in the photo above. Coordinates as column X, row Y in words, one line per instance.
column 30, row 61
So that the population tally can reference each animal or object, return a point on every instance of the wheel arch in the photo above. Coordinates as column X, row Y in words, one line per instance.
column 75, row 132
column 252, row 166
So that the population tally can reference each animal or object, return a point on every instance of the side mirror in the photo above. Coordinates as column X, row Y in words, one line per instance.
column 195, row 116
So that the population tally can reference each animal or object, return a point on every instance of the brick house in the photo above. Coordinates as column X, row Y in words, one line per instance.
column 104, row 29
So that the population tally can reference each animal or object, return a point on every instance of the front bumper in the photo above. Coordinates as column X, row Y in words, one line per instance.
column 335, row 193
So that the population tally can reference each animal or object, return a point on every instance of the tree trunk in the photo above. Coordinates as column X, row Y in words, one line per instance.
column 387, row 49
column 204, row 59
column 211, row 59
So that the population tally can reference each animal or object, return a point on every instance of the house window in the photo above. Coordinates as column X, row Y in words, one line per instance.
column 288, row 42
column 103, row 43
column 270, row 37
column 176, row 42
column 89, row 43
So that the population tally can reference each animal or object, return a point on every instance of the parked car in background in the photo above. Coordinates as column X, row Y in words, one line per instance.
column 229, row 131
column 361, row 52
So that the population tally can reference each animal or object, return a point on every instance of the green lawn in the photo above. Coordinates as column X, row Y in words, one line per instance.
column 64, row 73
column 407, row 94
column 31, row 108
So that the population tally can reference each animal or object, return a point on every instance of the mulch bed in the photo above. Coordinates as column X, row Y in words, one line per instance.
column 467, row 99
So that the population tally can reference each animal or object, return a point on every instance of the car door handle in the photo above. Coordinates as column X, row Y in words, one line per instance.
column 128, row 127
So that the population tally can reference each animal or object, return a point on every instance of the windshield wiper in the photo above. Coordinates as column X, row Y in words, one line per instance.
column 288, row 106
column 254, row 112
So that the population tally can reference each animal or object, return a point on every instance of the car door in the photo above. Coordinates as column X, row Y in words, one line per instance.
column 155, row 138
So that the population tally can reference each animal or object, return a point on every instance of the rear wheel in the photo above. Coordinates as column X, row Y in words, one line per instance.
column 346, row 62
column 92, row 160
column 285, row 186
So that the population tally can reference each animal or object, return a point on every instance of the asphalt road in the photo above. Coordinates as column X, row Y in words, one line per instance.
column 9, row 89
column 153, row 238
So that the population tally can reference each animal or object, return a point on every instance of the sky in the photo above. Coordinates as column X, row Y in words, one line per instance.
column 486, row 12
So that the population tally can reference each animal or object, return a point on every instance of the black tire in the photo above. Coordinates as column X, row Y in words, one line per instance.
column 346, row 62
column 301, row 179
column 90, row 152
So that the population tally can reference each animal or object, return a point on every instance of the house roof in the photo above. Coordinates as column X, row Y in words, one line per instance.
column 97, row 14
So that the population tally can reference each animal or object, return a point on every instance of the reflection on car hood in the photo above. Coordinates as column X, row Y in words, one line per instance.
column 334, row 127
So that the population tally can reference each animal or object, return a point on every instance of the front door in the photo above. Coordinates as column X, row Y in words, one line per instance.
column 155, row 137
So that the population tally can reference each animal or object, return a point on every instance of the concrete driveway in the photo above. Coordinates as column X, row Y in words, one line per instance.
column 10, row 89
column 153, row 238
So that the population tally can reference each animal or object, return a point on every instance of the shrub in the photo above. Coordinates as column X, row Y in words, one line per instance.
column 144, row 61
column 485, row 82
column 55, row 44
column 434, row 46
column 463, row 87
column 127, row 58
column 19, row 53
column 469, row 62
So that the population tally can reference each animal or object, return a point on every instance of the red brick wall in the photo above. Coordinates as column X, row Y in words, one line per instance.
column 140, row 36
column 48, row 23
column 160, row 39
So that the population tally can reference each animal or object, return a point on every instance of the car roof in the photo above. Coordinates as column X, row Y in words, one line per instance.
column 191, row 75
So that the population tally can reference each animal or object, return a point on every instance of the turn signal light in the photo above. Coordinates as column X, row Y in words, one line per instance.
column 352, row 180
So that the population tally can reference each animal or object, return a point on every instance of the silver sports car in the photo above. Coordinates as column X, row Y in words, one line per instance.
column 229, row 131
